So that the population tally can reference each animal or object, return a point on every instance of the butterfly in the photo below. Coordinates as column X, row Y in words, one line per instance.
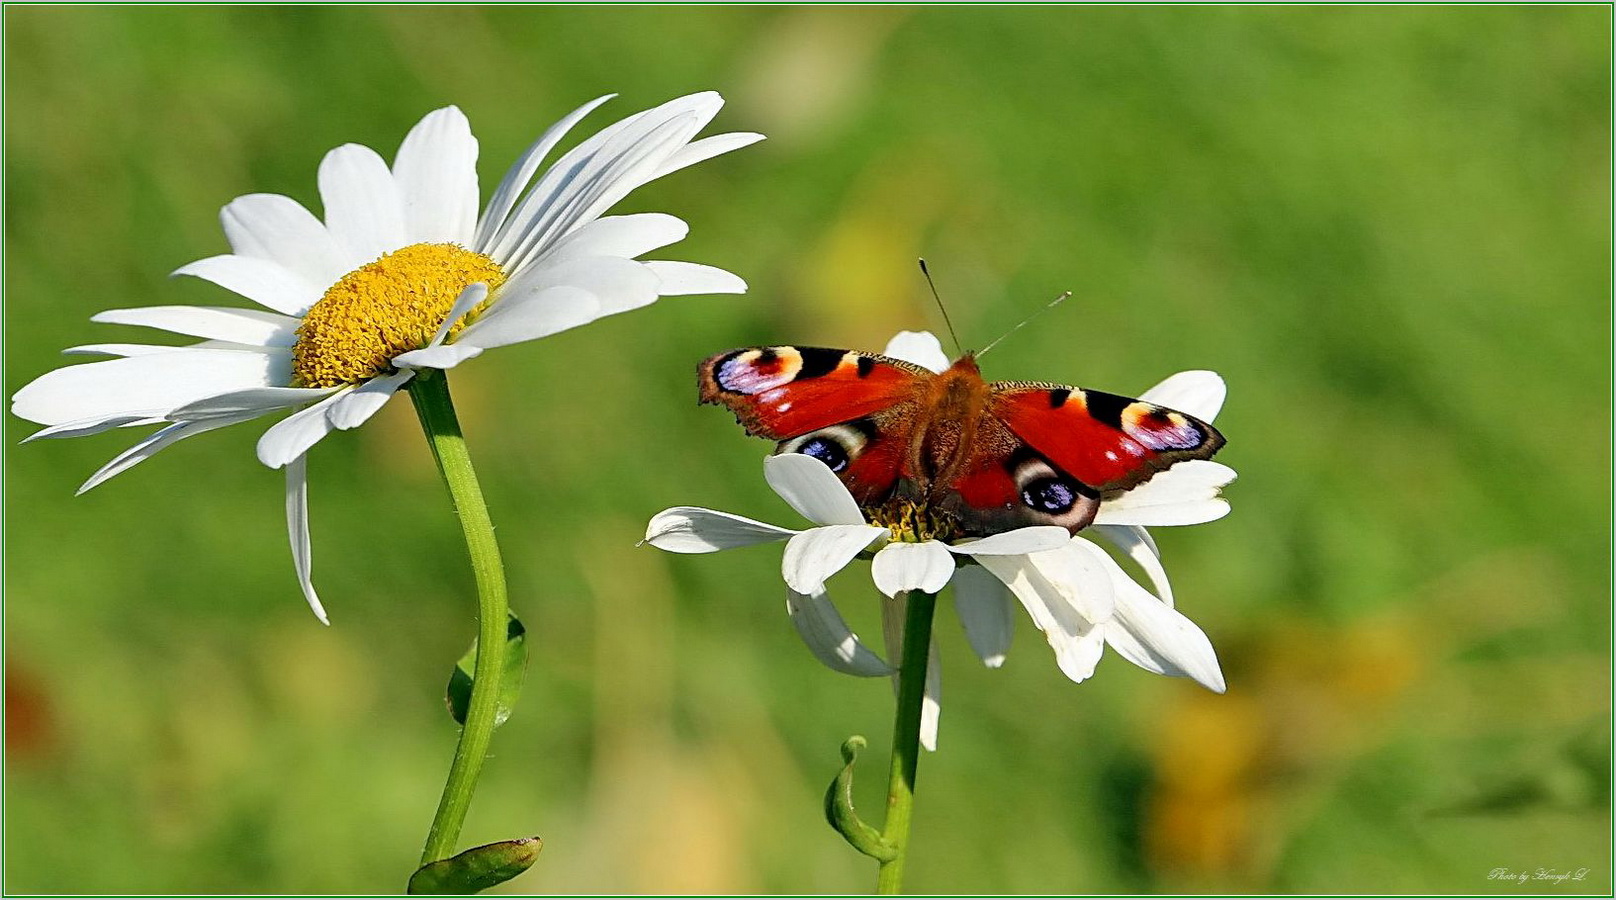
column 948, row 452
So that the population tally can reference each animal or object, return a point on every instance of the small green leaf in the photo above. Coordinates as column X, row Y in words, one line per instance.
column 510, row 684
column 477, row 869
column 840, row 814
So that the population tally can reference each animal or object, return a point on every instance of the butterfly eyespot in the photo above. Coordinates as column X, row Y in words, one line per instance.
column 750, row 372
column 1160, row 429
column 1049, row 495
column 1047, row 490
column 836, row 446
column 826, row 451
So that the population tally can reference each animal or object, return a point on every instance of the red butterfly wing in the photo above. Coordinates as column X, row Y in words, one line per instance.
column 784, row 392
column 994, row 457
column 853, row 410
column 1108, row 442
column 1003, row 484
column 877, row 465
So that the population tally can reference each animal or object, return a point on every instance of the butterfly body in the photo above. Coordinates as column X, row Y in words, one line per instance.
column 954, row 454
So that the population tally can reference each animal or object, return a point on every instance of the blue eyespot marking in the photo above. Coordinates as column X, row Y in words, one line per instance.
column 1049, row 495
column 826, row 451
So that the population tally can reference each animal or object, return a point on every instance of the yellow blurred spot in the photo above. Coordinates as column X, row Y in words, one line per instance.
column 317, row 675
column 1310, row 698
column 807, row 73
column 661, row 817
column 863, row 269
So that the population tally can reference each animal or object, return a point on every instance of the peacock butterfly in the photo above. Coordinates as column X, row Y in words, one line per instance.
column 950, row 453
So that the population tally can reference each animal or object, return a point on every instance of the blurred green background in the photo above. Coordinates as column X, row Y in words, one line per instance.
column 1388, row 228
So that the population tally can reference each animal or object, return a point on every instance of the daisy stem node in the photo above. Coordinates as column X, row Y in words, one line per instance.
column 906, row 738
column 430, row 391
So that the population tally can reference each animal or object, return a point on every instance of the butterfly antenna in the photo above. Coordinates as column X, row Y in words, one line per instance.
column 946, row 321
column 1047, row 307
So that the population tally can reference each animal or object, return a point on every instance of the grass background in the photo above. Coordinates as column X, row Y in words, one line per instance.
column 1389, row 229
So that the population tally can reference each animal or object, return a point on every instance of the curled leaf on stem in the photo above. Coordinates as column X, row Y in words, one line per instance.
column 839, row 810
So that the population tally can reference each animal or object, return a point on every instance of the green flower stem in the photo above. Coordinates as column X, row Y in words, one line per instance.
column 430, row 391
column 906, row 738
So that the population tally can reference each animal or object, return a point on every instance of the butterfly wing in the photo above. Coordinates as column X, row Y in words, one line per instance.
column 1045, row 454
column 1105, row 441
column 1032, row 454
column 1005, row 484
column 854, row 411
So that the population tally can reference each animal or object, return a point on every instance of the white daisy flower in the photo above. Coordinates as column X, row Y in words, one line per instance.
column 402, row 275
column 1188, row 493
column 840, row 534
column 1076, row 594
column 1106, row 605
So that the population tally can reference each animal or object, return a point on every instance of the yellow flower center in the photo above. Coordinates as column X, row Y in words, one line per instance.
column 913, row 523
column 384, row 308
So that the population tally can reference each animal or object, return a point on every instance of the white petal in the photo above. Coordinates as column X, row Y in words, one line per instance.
column 1078, row 656
column 931, row 703
column 147, row 448
column 621, row 236
column 526, row 318
column 252, row 400
column 826, row 633
column 241, row 326
column 1186, row 494
column 363, row 209
column 692, row 529
column 919, row 347
column 95, row 425
column 705, row 149
column 282, row 353
column 157, row 381
column 1022, row 540
column 263, row 281
column 292, row 436
column 436, row 173
column 925, row 566
column 521, row 172
column 1155, row 637
column 1085, row 569
column 1135, row 541
column 812, row 489
column 702, row 105
column 468, row 299
column 985, row 612
column 119, row 349
column 1027, row 582
column 573, row 193
column 443, row 356
column 813, row 556
column 683, row 278
column 619, row 284
column 556, row 207
column 1197, row 392
column 1175, row 513
column 297, row 529
column 354, row 408
column 1066, row 593
column 597, row 173
column 279, row 229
